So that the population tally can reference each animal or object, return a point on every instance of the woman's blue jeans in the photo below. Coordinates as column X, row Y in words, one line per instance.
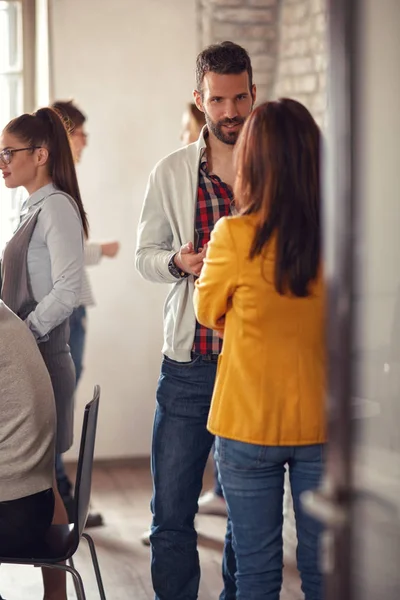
column 252, row 478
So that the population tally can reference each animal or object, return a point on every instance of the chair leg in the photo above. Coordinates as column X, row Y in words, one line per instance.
column 95, row 562
column 78, row 583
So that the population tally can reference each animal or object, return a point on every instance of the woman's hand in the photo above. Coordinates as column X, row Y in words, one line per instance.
column 220, row 332
column 110, row 249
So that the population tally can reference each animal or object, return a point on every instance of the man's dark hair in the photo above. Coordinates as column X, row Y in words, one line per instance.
column 70, row 114
column 226, row 58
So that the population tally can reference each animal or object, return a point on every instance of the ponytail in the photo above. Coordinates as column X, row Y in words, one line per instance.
column 46, row 128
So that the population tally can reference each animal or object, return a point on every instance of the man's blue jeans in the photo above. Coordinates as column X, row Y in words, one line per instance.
column 252, row 478
column 181, row 445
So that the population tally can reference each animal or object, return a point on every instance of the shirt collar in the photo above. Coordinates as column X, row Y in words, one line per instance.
column 38, row 197
column 203, row 161
column 203, row 151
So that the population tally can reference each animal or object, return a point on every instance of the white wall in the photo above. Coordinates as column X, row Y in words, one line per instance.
column 129, row 65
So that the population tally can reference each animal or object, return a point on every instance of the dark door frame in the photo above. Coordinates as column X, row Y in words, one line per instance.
column 339, row 248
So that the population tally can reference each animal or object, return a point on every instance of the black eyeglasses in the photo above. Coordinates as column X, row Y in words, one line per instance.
column 7, row 154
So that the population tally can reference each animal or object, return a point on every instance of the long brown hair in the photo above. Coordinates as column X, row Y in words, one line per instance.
column 278, row 166
column 45, row 128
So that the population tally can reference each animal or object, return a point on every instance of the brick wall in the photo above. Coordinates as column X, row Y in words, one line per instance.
column 301, row 55
column 285, row 39
column 250, row 23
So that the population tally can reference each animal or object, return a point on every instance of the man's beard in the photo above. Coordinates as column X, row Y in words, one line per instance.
column 230, row 137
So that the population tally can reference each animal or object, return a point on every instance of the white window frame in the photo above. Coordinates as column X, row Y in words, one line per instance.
column 10, row 200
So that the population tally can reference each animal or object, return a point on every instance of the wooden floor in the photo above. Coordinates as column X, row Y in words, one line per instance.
column 122, row 495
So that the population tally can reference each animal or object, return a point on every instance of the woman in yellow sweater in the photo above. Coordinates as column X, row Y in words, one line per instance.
column 261, row 287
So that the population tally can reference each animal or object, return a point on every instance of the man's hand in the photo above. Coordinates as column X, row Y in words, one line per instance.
column 110, row 249
column 190, row 261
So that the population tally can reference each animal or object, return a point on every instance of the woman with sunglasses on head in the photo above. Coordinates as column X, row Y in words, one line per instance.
column 261, row 286
column 43, row 262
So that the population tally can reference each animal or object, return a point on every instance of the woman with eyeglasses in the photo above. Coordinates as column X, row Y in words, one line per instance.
column 43, row 262
column 261, row 287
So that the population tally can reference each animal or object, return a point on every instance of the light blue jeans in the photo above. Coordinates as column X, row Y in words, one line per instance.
column 252, row 479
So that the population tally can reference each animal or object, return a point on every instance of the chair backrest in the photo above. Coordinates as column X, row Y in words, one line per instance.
column 83, row 481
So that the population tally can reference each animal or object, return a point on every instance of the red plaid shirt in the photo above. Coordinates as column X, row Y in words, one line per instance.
column 214, row 200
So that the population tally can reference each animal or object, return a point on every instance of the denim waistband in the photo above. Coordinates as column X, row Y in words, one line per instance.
column 206, row 357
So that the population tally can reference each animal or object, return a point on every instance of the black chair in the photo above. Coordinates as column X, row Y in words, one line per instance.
column 62, row 541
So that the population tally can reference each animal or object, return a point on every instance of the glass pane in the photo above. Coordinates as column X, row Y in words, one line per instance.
column 10, row 37
column 11, row 105
column 376, row 507
column 11, row 98
column 10, row 206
